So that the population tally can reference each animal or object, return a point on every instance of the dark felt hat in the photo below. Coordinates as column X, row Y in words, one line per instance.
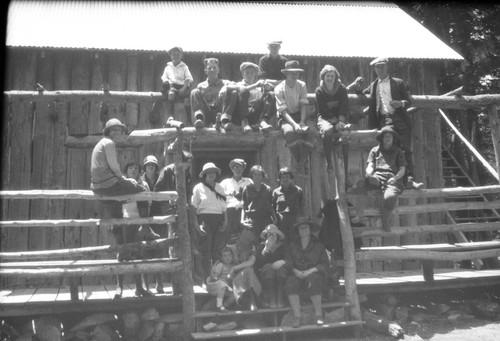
column 307, row 221
column 292, row 66
column 388, row 130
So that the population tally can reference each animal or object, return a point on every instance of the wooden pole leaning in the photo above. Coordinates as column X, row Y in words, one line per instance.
column 495, row 133
column 351, row 291
column 188, row 302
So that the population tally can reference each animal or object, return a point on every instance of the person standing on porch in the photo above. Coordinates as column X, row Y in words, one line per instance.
column 291, row 104
column 233, row 189
column 389, row 99
column 177, row 80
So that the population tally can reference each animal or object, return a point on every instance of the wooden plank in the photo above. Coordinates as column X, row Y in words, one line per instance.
column 84, row 195
column 146, row 83
column 79, row 252
column 426, row 255
column 438, row 192
column 97, row 79
column 44, row 295
column 80, row 80
column 73, row 223
column 132, row 109
column 438, row 207
column 19, row 295
column 495, row 133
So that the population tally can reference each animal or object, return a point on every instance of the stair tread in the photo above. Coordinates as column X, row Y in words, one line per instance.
column 203, row 314
column 272, row 330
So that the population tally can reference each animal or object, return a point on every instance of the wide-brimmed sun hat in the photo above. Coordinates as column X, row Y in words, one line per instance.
column 209, row 166
column 292, row 66
column 388, row 130
column 114, row 122
column 271, row 228
column 307, row 221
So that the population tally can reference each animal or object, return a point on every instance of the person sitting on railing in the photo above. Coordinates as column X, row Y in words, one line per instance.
column 307, row 264
column 291, row 103
column 385, row 169
column 271, row 64
column 389, row 99
column 176, row 80
column 248, row 102
column 206, row 102
column 333, row 112
column 133, row 233
column 105, row 174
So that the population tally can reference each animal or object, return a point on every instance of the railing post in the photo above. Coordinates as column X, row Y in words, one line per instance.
column 495, row 132
column 351, row 290
column 188, row 302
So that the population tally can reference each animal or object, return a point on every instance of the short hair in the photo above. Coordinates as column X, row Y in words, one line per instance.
column 226, row 249
column 210, row 60
column 285, row 170
column 130, row 164
column 258, row 168
column 328, row 68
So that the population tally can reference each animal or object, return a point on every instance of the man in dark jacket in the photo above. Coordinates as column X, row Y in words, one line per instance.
column 389, row 99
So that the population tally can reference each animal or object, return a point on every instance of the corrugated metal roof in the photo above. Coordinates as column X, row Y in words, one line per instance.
column 340, row 29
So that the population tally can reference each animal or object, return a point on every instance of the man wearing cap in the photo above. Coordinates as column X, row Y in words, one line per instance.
column 291, row 103
column 249, row 102
column 389, row 99
column 233, row 189
column 176, row 81
column 271, row 64
column 105, row 173
column 386, row 165
column 206, row 102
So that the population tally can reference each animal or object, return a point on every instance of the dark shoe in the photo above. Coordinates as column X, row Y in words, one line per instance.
column 296, row 322
column 160, row 290
column 221, row 309
column 265, row 127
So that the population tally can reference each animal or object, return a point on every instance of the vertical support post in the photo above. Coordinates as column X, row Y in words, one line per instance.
column 188, row 302
column 495, row 132
column 351, row 290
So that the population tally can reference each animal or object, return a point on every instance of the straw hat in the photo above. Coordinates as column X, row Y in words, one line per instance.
column 208, row 167
column 271, row 228
column 388, row 130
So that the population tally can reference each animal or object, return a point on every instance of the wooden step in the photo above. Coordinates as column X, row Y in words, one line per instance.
column 205, row 314
column 273, row 330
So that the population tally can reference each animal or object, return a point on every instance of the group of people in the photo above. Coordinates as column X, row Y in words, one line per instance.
column 254, row 244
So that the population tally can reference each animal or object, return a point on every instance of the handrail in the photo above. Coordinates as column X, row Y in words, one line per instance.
column 437, row 192
column 85, row 195
column 470, row 146
column 87, row 222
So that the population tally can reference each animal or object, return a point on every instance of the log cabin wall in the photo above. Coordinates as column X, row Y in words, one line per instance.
column 34, row 155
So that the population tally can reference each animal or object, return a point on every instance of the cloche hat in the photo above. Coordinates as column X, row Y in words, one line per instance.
column 150, row 159
column 208, row 167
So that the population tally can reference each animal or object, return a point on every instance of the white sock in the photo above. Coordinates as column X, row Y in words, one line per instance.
column 219, row 301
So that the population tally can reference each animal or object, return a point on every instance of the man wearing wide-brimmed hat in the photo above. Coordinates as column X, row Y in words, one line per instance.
column 271, row 64
column 389, row 99
column 177, row 80
column 291, row 103
column 386, row 165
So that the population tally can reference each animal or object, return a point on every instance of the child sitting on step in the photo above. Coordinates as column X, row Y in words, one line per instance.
column 219, row 283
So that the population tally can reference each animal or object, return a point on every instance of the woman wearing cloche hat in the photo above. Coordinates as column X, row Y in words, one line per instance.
column 307, row 264
column 210, row 203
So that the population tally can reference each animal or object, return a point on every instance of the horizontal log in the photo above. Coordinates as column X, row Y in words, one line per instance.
column 85, row 195
column 425, row 255
column 436, row 207
column 88, row 268
column 457, row 247
column 423, row 101
column 88, row 222
column 435, row 192
column 363, row 232
column 88, row 251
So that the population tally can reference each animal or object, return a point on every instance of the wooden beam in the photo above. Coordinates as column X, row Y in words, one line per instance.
column 84, row 251
column 435, row 192
column 363, row 232
column 88, row 222
column 470, row 146
column 495, row 133
column 88, row 268
column 457, row 247
column 425, row 255
column 436, row 207
column 85, row 195
column 424, row 101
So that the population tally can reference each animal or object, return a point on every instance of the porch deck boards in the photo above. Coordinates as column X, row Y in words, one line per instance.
column 45, row 300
